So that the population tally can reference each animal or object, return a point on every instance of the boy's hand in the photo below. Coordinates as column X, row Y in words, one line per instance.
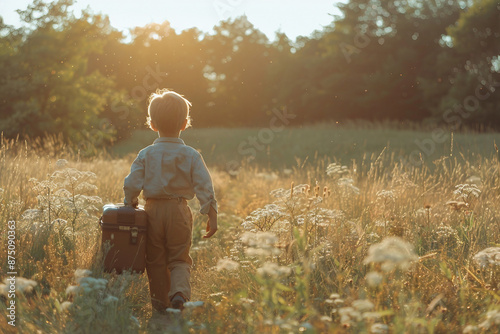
column 211, row 223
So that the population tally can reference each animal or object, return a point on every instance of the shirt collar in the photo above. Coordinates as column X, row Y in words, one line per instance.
column 169, row 140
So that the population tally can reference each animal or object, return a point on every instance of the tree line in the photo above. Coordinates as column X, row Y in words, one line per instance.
column 426, row 61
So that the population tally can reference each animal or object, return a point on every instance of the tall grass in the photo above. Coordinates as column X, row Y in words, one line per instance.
column 367, row 247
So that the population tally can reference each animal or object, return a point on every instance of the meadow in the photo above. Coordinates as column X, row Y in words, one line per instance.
column 326, row 230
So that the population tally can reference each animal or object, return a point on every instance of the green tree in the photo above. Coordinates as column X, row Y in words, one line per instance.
column 238, row 58
column 46, row 85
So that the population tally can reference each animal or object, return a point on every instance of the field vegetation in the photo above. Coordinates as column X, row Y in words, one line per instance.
column 324, row 245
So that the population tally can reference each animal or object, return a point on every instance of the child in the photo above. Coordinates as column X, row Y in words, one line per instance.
column 169, row 173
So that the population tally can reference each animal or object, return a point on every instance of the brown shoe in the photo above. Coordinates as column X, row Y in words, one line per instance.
column 178, row 301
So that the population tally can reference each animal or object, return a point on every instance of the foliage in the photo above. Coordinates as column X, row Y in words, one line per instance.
column 77, row 75
column 321, row 248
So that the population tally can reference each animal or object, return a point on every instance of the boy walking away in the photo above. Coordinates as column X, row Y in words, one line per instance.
column 169, row 173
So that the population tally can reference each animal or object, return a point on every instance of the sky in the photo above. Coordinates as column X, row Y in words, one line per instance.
column 293, row 17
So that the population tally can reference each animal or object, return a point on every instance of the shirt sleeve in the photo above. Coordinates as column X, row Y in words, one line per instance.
column 203, row 186
column 134, row 181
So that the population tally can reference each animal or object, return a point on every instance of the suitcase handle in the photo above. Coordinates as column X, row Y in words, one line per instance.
column 134, row 232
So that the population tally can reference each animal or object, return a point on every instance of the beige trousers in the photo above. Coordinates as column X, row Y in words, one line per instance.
column 168, row 264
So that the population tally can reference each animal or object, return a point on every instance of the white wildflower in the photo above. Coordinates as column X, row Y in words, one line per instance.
column 466, row 191
column 86, row 187
column 227, row 264
column 173, row 310
column 72, row 290
column 326, row 318
column 261, row 252
column 374, row 278
column 80, row 273
column 32, row 214
column 194, row 304
column 391, row 252
column 363, row 305
column 334, row 296
column 470, row 329
column 386, row 195
column 66, row 305
column 273, row 270
column 348, row 185
column 488, row 257
column 23, row 285
column 259, row 239
column 64, row 193
column 379, row 329
column 61, row 163
column 348, row 315
column 247, row 300
column 334, row 169
column 492, row 318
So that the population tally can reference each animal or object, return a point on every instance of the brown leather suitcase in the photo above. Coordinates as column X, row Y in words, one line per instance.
column 124, row 233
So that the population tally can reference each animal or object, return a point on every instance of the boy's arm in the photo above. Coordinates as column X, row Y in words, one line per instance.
column 204, row 190
column 134, row 182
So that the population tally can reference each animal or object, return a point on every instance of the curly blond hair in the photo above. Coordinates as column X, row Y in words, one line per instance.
column 167, row 111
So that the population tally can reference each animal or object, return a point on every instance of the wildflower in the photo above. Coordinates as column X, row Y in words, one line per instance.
column 273, row 270
column 348, row 185
column 300, row 189
column 374, row 278
column 193, row 304
column 465, row 191
column 173, row 310
column 492, row 318
column 23, row 285
column 86, row 187
column 247, row 300
column 488, row 257
column 470, row 329
column 363, row 305
column 61, row 163
column 227, row 264
column 386, row 195
column 348, row 315
column 72, row 290
column 379, row 329
column 66, row 305
column 334, row 296
column 80, row 273
column 334, row 169
column 32, row 214
column 326, row 318
column 391, row 252
column 259, row 239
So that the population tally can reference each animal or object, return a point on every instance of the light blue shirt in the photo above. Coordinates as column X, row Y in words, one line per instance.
column 170, row 169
